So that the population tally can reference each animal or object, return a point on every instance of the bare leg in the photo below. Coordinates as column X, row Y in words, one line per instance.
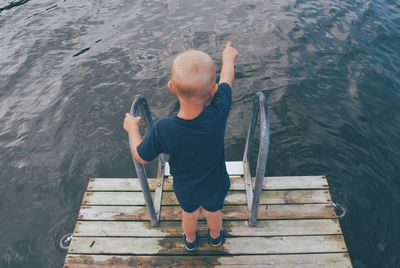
column 214, row 222
column 189, row 224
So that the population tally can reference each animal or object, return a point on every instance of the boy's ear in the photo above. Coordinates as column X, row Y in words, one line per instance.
column 171, row 87
column 214, row 90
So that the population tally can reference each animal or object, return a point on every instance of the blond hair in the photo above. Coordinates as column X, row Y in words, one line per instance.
column 193, row 74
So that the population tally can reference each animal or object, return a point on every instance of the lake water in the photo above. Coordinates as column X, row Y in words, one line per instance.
column 70, row 69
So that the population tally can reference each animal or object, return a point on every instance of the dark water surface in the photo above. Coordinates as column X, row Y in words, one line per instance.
column 69, row 71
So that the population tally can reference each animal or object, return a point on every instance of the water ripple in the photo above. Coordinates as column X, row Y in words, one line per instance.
column 69, row 71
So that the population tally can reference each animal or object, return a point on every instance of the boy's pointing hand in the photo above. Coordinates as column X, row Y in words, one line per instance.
column 131, row 122
column 229, row 53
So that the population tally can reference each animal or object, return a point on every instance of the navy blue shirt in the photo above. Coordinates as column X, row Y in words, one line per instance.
column 196, row 149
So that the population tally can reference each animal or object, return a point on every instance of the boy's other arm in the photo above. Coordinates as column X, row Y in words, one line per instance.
column 131, row 125
column 229, row 56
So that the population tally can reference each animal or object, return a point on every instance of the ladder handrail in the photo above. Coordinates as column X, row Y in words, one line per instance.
column 260, row 106
column 140, row 105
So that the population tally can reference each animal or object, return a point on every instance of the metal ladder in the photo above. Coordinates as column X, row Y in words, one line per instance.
column 253, row 186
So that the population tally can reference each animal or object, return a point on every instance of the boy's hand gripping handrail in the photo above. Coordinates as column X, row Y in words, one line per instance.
column 139, row 105
column 260, row 106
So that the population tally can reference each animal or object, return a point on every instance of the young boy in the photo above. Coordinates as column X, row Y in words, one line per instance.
column 194, row 139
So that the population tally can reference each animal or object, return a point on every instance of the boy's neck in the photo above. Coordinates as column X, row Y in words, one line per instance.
column 190, row 109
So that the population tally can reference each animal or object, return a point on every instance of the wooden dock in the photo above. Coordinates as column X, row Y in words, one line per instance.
column 297, row 227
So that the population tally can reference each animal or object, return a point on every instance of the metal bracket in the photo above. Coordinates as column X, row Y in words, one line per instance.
column 159, row 186
column 248, row 185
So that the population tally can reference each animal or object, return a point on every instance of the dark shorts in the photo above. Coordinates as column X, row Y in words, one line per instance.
column 189, row 208
column 211, row 204
column 215, row 204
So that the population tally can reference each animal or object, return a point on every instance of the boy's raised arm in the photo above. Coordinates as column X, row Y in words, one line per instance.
column 229, row 56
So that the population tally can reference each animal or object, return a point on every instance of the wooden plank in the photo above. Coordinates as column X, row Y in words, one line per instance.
column 232, row 228
column 233, row 168
column 237, row 183
column 232, row 245
column 234, row 197
column 231, row 212
column 329, row 260
column 298, row 182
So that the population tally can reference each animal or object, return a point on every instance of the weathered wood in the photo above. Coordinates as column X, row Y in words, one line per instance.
column 329, row 260
column 232, row 245
column 232, row 228
column 282, row 197
column 234, row 197
column 237, row 183
column 231, row 212
column 297, row 228
column 299, row 182
column 233, row 168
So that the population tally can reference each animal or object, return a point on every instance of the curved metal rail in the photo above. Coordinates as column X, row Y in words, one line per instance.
column 140, row 106
column 260, row 107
